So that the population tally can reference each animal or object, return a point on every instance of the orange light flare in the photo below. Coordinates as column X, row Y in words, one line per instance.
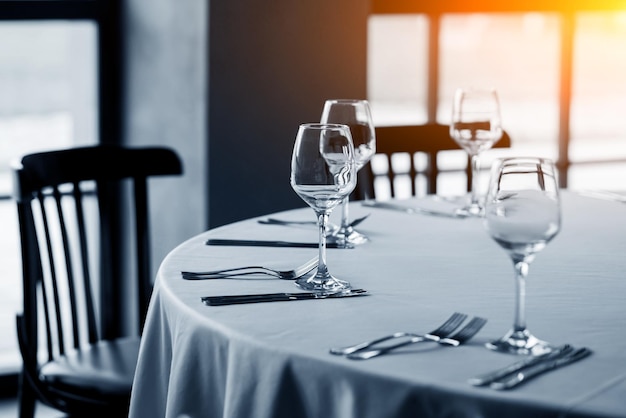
column 470, row 6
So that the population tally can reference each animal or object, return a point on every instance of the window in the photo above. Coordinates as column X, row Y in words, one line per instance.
column 523, row 55
column 598, row 127
column 48, row 100
column 396, row 69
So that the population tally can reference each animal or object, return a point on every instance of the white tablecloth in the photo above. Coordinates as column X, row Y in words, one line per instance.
column 271, row 359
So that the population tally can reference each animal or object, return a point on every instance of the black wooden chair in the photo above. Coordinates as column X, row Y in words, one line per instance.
column 429, row 139
column 77, row 336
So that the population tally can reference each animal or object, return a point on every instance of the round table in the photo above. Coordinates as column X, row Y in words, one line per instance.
column 272, row 360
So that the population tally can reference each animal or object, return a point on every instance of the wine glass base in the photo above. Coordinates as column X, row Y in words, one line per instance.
column 471, row 210
column 349, row 236
column 464, row 207
column 520, row 342
column 323, row 284
column 467, row 213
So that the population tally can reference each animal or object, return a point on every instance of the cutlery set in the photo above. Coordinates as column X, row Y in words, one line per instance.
column 331, row 242
column 412, row 210
column 444, row 329
column 443, row 335
column 604, row 195
column 462, row 336
column 296, row 273
column 277, row 297
column 272, row 243
column 523, row 370
column 275, row 221
column 505, row 378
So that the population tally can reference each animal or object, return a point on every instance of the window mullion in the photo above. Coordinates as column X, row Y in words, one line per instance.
column 432, row 90
column 565, row 96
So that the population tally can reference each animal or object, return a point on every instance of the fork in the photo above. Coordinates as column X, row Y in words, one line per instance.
column 443, row 330
column 247, row 270
column 466, row 333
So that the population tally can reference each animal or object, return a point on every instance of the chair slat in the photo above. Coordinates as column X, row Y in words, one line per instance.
column 92, row 333
column 412, row 173
column 69, row 268
column 54, row 310
column 432, row 173
column 112, row 247
column 391, row 174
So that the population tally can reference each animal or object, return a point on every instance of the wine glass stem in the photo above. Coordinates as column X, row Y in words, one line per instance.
column 521, row 271
column 345, row 217
column 322, row 220
column 475, row 162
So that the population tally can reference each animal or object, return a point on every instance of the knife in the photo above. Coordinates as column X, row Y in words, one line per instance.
column 401, row 208
column 487, row 378
column 529, row 373
column 269, row 243
column 276, row 297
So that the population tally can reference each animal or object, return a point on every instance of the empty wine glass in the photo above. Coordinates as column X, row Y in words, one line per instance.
column 476, row 126
column 323, row 173
column 522, row 214
column 357, row 115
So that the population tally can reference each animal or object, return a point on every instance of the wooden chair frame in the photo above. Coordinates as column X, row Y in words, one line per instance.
column 48, row 182
column 429, row 139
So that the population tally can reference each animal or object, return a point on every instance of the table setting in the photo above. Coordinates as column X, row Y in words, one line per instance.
column 373, row 281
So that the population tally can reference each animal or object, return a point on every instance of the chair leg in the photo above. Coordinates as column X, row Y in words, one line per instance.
column 432, row 173
column 26, row 398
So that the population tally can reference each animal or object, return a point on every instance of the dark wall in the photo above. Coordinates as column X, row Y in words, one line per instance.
column 165, row 78
column 226, row 83
column 271, row 66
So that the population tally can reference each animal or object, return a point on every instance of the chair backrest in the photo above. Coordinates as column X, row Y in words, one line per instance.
column 68, row 257
column 428, row 139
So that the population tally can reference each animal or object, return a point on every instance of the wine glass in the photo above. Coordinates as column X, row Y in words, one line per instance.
column 357, row 115
column 323, row 173
column 476, row 126
column 522, row 214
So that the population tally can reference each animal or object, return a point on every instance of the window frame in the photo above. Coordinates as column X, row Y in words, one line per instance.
column 106, row 14
column 108, row 18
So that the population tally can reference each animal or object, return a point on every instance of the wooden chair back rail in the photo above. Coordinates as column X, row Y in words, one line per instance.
column 429, row 139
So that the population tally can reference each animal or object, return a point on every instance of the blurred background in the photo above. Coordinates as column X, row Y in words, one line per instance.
column 227, row 83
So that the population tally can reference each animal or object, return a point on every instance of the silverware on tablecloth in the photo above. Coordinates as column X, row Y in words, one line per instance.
column 272, row 243
column 445, row 329
column 275, row 221
column 293, row 274
column 526, row 374
column 411, row 209
column 487, row 378
column 277, row 297
column 460, row 337
column 604, row 195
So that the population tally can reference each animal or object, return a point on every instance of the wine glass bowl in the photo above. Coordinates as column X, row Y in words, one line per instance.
column 356, row 114
column 522, row 214
column 323, row 173
column 476, row 125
